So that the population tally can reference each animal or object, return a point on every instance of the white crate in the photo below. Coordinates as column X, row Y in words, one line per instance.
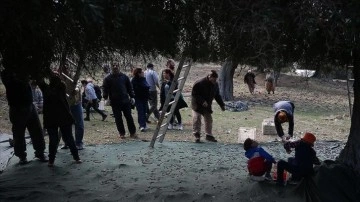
column 268, row 127
column 245, row 133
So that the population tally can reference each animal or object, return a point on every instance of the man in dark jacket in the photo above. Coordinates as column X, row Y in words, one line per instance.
column 118, row 88
column 203, row 93
column 23, row 114
column 284, row 112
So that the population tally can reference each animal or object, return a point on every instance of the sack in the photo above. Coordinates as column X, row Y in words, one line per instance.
column 98, row 92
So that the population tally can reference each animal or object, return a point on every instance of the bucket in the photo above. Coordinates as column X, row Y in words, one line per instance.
column 102, row 105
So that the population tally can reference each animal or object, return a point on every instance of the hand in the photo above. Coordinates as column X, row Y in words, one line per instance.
column 132, row 101
column 205, row 104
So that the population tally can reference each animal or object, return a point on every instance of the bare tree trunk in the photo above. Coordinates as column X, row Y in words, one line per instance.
column 226, row 83
column 350, row 155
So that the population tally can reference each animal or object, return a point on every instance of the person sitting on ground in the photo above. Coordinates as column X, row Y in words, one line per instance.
column 57, row 116
column 92, row 99
column 37, row 97
column 249, row 79
column 284, row 112
column 141, row 90
column 260, row 162
column 302, row 164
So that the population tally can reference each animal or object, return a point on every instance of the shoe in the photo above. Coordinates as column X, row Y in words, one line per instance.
column 42, row 157
column 180, row 127
column 170, row 126
column 210, row 138
column 134, row 136
column 142, row 129
column 86, row 119
column 104, row 117
column 122, row 136
column 23, row 161
column 285, row 138
column 64, row 147
column 78, row 161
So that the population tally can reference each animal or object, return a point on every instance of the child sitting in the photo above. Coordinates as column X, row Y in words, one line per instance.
column 260, row 162
column 302, row 165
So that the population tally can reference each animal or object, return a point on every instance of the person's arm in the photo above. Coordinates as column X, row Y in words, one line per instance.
column 291, row 125
column 266, row 155
column 289, row 145
column 218, row 98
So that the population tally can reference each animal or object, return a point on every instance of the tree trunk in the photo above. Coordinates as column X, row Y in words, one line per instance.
column 350, row 155
column 226, row 83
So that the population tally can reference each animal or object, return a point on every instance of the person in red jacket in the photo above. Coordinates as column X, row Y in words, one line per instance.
column 203, row 93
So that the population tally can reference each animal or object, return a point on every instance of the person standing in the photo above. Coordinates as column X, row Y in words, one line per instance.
column 75, row 102
column 203, row 93
column 93, row 101
column 118, row 88
column 152, row 78
column 141, row 90
column 57, row 116
column 284, row 112
column 23, row 115
column 249, row 79
column 165, row 87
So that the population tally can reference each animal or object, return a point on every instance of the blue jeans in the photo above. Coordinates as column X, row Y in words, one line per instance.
column 118, row 109
column 141, row 106
column 77, row 113
column 66, row 133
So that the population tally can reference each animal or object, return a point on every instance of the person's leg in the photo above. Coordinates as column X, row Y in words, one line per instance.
column 118, row 119
column 141, row 111
column 179, row 119
column 53, row 143
column 36, row 134
column 196, row 119
column 126, row 108
column 66, row 132
column 76, row 111
column 281, row 167
column 87, row 108
column 18, row 117
column 153, row 105
column 95, row 106
column 208, row 121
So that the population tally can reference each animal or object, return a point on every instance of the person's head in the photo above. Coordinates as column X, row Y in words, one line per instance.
column 249, row 70
column 115, row 68
column 170, row 64
column 249, row 143
column 33, row 83
column 309, row 138
column 138, row 72
column 84, row 82
column 168, row 74
column 282, row 117
column 106, row 69
column 150, row 66
column 213, row 76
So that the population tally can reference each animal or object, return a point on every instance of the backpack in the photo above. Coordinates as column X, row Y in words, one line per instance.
column 98, row 92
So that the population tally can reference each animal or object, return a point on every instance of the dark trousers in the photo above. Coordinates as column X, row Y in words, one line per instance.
column 297, row 171
column 141, row 106
column 54, row 138
column 153, row 102
column 95, row 105
column 23, row 117
column 177, row 115
column 118, row 110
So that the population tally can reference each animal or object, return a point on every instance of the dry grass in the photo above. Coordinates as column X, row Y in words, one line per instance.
column 321, row 107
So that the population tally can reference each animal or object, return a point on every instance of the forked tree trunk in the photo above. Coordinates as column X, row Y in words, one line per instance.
column 350, row 155
column 226, row 83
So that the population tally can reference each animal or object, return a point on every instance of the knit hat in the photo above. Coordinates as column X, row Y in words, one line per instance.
column 309, row 138
column 247, row 144
column 282, row 117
